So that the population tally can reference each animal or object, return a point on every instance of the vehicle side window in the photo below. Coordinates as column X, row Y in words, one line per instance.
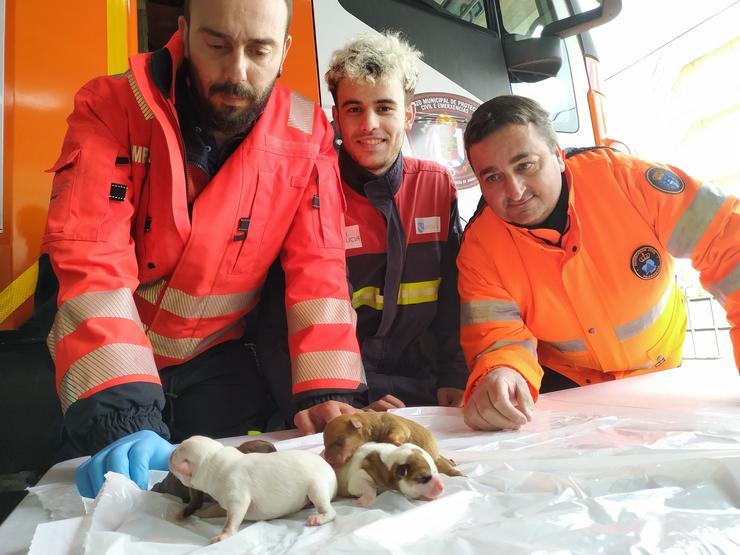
column 527, row 18
column 472, row 11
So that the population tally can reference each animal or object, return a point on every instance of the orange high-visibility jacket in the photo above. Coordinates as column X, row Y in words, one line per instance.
column 605, row 304
column 144, row 286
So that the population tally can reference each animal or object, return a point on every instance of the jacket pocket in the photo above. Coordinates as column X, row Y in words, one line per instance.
column 252, row 219
column 329, row 207
column 61, row 190
column 81, row 192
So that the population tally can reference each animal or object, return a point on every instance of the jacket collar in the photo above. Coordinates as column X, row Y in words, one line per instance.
column 359, row 179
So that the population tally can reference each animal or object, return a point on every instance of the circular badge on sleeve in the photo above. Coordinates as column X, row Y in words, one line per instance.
column 664, row 180
column 646, row 262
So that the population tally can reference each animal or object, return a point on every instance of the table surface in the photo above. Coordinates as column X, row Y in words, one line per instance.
column 666, row 415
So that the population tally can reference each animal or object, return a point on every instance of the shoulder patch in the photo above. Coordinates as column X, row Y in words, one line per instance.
column 646, row 262
column 664, row 180
column 301, row 113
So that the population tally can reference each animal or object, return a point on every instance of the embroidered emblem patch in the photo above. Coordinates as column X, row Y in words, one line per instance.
column 352, row 239
column 646, row 262
column 118, row 192
column 427, row 225
column 664, row 180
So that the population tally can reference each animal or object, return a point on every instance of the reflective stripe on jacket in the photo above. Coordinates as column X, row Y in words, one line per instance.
column 605, row 304
column 144, row 286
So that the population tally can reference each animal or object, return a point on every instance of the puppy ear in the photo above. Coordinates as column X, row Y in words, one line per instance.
column 356, row 423
column 184, row 468
column 402, row 470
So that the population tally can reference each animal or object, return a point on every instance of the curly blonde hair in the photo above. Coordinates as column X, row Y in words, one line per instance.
column 372, row 57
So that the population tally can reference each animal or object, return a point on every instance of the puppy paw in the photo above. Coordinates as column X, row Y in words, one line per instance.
column 364, row 500
column 221, row 537
column 320, row 518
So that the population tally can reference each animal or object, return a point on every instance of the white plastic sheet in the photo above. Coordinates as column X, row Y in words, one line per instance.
column 585, row 479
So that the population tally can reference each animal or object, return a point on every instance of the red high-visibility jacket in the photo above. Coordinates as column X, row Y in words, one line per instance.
column 605, row 304
column 144, row 286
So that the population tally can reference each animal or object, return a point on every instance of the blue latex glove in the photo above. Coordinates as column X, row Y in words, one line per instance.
column 133, row 456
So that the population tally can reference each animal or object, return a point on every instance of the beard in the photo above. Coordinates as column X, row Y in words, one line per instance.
column 231, row 120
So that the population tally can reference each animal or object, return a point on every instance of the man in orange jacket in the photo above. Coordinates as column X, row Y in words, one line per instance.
column 179, row 183
column 566, row 273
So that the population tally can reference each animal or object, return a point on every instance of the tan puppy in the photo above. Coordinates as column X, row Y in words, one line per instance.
column 378, row 467
column 256, row 486
column 345, row 433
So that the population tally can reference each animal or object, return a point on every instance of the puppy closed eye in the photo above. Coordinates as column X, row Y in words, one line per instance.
column 402, row 470
column 423, row 479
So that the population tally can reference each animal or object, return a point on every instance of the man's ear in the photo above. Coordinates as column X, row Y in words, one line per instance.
column 286, row 47
column 409, row 116
column 560, row 154
column 182, row 26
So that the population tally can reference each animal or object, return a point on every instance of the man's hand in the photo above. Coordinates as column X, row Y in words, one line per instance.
column 450, row 397
column 500, row 401
column 384, row 403
column 313, row 419
column 133, row 456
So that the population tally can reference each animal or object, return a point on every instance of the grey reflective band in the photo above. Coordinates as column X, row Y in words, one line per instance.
column 726, row 286
column 208, row 306
column 150, row 291
column 695, row 220
column 105, row 363
column 301, row 113
column 99, row 304
column 183, row 348
column 323, row 365
column 572, row 346
column 639, row 325
column 528, row 345
column 318, row 311
column 478, row 312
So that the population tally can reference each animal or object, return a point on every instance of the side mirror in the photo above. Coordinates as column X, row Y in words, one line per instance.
column 581, row 22
column 532, row 59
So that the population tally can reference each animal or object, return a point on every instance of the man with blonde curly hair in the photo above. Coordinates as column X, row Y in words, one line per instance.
column 402, row 230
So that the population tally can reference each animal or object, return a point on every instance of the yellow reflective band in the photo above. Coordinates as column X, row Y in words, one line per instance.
column 408, row 293
column 367, row 296
column 419, row 292
column 18, row 291
column 117, row 36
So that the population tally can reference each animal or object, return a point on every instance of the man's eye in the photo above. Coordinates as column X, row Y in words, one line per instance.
column 492, row 178
column 215, row 46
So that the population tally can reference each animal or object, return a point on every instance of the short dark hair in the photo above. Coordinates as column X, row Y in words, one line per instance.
column 505, row 110
column 288, row 4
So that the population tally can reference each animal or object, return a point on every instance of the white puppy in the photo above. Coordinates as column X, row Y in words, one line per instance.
column 377, row 467
column 256, row 486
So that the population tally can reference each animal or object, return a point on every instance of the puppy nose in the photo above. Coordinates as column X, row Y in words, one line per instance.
column 437, row 487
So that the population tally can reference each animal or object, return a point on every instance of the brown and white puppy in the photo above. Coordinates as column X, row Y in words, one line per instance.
column 344, row 434
column 195, row 498
column 256, row 486
column 378, row 467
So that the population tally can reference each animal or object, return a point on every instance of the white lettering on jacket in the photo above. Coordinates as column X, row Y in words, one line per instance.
column 352, row 239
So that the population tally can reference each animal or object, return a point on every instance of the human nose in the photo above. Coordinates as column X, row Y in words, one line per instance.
column 236, row 67
column 369, row 121
column 515, row 187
